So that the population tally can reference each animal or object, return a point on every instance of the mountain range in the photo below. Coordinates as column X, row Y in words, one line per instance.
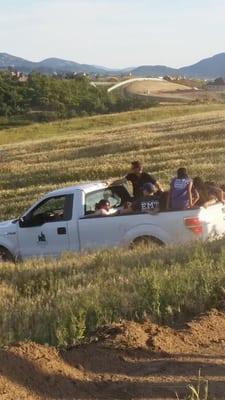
column 208, row 68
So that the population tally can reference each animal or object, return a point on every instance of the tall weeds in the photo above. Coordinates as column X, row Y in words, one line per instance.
column 61, row 301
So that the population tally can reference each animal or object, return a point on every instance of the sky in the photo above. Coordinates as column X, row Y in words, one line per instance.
column 113, row 33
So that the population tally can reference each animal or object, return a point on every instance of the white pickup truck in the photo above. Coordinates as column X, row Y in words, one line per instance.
column 63, row 220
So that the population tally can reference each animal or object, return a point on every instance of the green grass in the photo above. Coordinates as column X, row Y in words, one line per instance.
column 61, row 301
column 77, row 125
column 200, row 391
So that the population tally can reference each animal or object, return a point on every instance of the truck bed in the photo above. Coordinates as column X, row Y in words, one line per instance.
column 167, row 227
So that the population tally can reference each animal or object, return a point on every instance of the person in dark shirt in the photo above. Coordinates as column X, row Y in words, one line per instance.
column 149, row 202
column 138, row 178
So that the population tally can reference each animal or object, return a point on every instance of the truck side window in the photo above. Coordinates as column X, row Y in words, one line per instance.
column 91, row 199
column 52, row 209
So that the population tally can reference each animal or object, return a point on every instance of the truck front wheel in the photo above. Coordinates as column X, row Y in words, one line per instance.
column 5, row 255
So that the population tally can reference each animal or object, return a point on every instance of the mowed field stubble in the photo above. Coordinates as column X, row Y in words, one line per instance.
column 40, row 157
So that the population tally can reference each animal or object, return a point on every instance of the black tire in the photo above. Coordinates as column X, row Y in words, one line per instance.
column 146, row 241
column 5, row 255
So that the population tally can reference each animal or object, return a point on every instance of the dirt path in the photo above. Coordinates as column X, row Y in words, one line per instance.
column 124, row 361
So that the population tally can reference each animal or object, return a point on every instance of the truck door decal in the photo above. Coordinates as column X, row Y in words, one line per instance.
column 42, row 238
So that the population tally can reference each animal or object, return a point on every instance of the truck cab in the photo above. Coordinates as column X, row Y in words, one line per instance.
column 51, row 226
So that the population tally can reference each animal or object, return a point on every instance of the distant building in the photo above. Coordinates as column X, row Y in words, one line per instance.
column 18, row 76
column 22, row 77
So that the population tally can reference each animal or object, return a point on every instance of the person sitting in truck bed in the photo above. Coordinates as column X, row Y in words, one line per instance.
column 181, row 194
column 149, row 202
column 216, row 191
column 206, row 196
column 138, row 177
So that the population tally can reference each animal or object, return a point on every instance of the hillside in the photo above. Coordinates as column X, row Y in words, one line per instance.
column 7, row 60
column 208, row 68
column 49, row 66
column 154, row 71
column 161, row 90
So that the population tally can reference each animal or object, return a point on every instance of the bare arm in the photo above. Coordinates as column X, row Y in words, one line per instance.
column 190, row 194
column 196, row 198
column 154, row 212
column 220, row 194
column 168, row 201
column 121, row 181
column 159, row 186
column 209, row 203
column 127, row 210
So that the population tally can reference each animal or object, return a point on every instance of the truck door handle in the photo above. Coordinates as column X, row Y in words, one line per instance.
column 61, row 230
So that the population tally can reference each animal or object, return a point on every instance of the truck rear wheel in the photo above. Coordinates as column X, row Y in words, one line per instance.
column 146, row 241
column 5, row 255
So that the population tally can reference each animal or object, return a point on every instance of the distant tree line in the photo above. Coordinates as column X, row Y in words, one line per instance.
column 45, row 98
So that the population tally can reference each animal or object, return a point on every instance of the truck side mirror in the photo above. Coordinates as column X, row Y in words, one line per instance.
column 23, row 221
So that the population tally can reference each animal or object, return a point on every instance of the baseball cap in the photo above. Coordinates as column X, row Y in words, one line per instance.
column 149, row 187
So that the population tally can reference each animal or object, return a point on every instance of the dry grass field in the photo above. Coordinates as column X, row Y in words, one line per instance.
column 157, row 87
column 38, row 158
column 163, row 90
column 61, row 302
column 176, row 92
